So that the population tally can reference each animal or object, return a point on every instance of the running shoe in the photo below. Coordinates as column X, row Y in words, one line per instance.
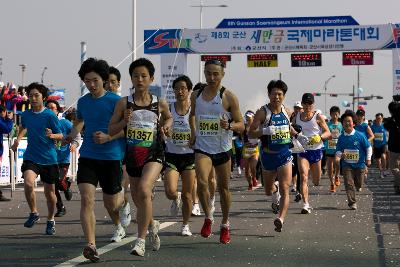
column 153, row 192
column 239, row 171
column 337, row 181
column 255, row 183
column 119, row 233
column 211, row 204
column 90, row 253
column 186, row 230
column 196, row 210
column 125, row 214
column 353, row 206
column 60, row 212
column 33, row 217
column 333, row 188
column 176, row 205
column 387, row 172
column 276, row 196
column 275, row 208
column 68, row 194
column 224, row 237
column 358, row 189
column 382, row 175
column 153, row 235
column 297, row 198
column 206, row 229
column 278, row 224
column 3, row 198
column 306, row 209
column 139, row 248
column 50, row 228
column 293, row 188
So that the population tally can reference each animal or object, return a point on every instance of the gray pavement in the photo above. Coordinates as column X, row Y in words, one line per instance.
column 332, row 235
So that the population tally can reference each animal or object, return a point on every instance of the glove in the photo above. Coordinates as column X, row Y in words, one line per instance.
column 314, row 140
column 302, row 139
column 269, row 130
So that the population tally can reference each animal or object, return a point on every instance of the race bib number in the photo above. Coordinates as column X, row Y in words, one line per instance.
column 351, row 155
column 140, row 134
column 180, row 136
column 332, row 143
column 282, row 135
column 378, row 136
column 208, row 125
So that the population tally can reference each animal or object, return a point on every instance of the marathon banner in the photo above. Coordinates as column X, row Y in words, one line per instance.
column 273, row 40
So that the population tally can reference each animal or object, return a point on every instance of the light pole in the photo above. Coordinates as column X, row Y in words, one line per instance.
column 23, row 68
column 325, row 87
column 44, row 69
column 201, row 6
column 1, row 64
column 133, row 30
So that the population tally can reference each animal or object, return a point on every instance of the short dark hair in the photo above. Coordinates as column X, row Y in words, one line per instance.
column 98, row 66
column 360, row 112
column 334, row 109
column 183, row 78
column 55, row 102
column 116, row 72
column 199, row 86
column 379, row 114
column 277, row 84
column 348, row 113
column 38, row 86
column 142, row 62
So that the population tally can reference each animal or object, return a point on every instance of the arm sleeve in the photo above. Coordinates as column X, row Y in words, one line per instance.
column 6, row 126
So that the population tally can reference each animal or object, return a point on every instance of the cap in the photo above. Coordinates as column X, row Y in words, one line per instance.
column 297, row 104
column 307, row 98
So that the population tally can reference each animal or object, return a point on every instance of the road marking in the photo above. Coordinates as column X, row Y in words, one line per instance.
column 108, row 247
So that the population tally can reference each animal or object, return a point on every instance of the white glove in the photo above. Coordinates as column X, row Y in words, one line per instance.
column 269, row 130
column 302, row 139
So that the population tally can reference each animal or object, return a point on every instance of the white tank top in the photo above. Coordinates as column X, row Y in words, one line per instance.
column 210, row 137
column 310, row 128
column 178, row 143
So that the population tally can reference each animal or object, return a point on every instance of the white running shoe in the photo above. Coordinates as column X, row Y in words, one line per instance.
column 239, row 171
column 119, row 233
column 211, row 204
column 153, row 235
column 186, row 230
column 382, row 175
column 387, row 172
column 125, row 214
column 176, row 205
column 293, row 188
column 196, row 210
column 306, row 209
column 139, row 248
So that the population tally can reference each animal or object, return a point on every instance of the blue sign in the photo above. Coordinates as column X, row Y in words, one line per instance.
column 165, row 41
column 287, row 22
column 21, row 152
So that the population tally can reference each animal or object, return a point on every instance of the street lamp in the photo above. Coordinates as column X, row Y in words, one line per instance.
column 23, row 68
column 201, row 6
column 325, row 87
column 44, row 69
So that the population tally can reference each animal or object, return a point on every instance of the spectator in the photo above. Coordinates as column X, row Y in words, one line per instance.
column 6, row 126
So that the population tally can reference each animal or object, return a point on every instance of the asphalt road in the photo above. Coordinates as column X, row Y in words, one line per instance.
column 332, row 235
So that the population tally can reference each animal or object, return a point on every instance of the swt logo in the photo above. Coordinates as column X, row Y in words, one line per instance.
column 161, row 41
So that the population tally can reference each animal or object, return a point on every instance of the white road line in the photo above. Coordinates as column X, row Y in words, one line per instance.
column 108, row 247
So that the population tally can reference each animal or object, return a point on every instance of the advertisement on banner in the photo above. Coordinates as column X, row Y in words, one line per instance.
column 358, row 58
column 171, row 69
column 262, row 60
column 273, row 40
column 396, row 71
column 58, row 95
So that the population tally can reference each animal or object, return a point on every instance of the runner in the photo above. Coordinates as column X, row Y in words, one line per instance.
column 250, row 152
column 179, row 157
column 40, row 157
column 138, row 115
column 314, row 131
column 114, row 85
column 271, row 123
column 6, row 125
column 63, row 159
column 333, row 164
column 296, row 184
column 214, row 114
column 100, row 154
column 355, row 150
column 380, row 144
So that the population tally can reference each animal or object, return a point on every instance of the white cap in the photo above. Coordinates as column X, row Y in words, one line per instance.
column 298, row 104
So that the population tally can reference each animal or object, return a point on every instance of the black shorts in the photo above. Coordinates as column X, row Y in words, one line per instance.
column 378, row 151
column 217, row 159
column 49, row 174
column 106, row 172
column 179, row 162
column 155, row 154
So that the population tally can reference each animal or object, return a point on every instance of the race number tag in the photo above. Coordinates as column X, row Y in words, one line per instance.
column 332, row 143
column 140, row 134
column 180, row 136
column 351, row 155
column 208, row 125
column 282, row 135
column 378, row 136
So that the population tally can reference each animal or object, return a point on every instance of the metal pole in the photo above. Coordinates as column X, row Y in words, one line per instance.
column 133, row 30
column 1, row 64
column 354, row 97
column 83, row 58
column 23, row 68
column 325, row 96
column 358, row 85
column 201, row 26
column 44, row 69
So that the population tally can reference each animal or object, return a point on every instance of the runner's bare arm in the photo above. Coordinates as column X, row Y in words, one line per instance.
column 231, row 103
column 326, row 133
column 370, row 134
column 21, row 133
column 166, row 117
column 192, row 118
column 119, row 119
column 76, row 129
column 255, row 131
